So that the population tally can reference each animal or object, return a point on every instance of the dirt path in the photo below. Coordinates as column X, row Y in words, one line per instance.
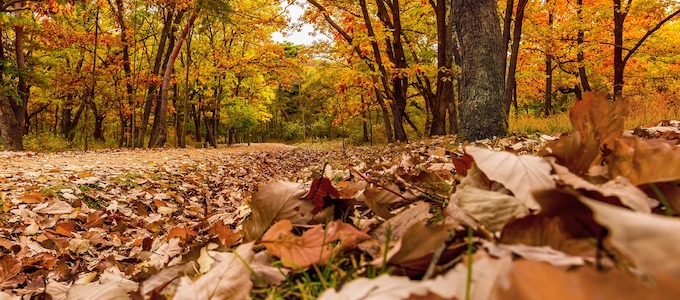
column 11, row 162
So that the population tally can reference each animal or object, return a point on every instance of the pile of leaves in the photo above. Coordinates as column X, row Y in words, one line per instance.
column 592, row 214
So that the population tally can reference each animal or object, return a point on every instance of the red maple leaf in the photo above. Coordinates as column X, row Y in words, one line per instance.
column 321, row 193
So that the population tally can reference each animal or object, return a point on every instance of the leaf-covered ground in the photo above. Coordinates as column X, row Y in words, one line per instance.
column 590, row 214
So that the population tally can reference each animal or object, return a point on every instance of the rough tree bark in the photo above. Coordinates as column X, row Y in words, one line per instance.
column 481, row 103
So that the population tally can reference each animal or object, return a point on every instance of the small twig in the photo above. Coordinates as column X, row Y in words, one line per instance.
column 437, row 255
column 379, row 185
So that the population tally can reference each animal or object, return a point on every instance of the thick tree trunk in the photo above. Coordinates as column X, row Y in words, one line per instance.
column 10, row 131
column 481, row 104
column 159, row 132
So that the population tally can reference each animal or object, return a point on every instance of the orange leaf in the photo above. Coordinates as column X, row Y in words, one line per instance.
column 33, row 197
column 65, row 228
column 315, row 246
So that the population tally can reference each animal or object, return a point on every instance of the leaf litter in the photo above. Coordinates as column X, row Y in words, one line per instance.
column 588, row 214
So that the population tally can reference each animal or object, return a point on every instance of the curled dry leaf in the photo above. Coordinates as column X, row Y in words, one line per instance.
column 652, row 242
column 538, row 280
column 596, row 122
column 315, row 246
column 491, row 209
column 620, row 188
column 644, row 161
column 520, row 174
column 277, row 201
column 225, row 280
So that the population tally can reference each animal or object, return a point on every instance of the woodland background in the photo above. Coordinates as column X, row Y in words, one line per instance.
column 117, row 73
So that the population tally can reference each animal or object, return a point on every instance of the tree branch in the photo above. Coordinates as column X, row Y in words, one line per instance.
column 648, row 34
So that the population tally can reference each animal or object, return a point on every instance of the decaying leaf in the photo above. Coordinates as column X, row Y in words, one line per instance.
column 520, row 174
column 315, row 246
column 275, row 201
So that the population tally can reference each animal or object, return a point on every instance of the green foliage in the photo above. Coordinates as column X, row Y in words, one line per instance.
column 293, row 130
column 46, row 141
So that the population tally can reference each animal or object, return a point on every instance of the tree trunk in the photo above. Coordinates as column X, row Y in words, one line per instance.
column 9, row 127
column 481, row 103
column 547, row 109
column 159, row 132
column 444, row 65
column 583, row 76
column 619, row 18
column 510, row 82
column 151, row 91
column 127, row 69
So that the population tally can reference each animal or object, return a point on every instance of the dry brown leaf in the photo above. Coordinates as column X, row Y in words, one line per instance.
column 108, row 291
column 417, row 242
column 532, row 280
column 620, row 188
column 275, row 201
column 491, row 209
column 383, row 200
column 564, row 224
column 227, row 279
column 315, row 246
column 10, row 272
column 33, row 197
column 596, row 122
column 644, row 161
column 652, row 242
column 520, row 174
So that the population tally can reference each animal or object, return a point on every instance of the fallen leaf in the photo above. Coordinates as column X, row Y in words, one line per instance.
column 491, row 209
column 10, row 272
column 315, row 246
column 543, row 254
column 652, row 242
column 225, row 280
column 644, row 161
column 537, row 280
column 33, row 197
column 109, row 291
column 321, row 189
column 277, row 201
column 520, row 174
column 620, row 188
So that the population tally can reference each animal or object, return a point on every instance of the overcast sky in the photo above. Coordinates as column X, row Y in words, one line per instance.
column 304, row 37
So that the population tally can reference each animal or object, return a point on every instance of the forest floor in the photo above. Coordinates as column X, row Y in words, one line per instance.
column 432, row 219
